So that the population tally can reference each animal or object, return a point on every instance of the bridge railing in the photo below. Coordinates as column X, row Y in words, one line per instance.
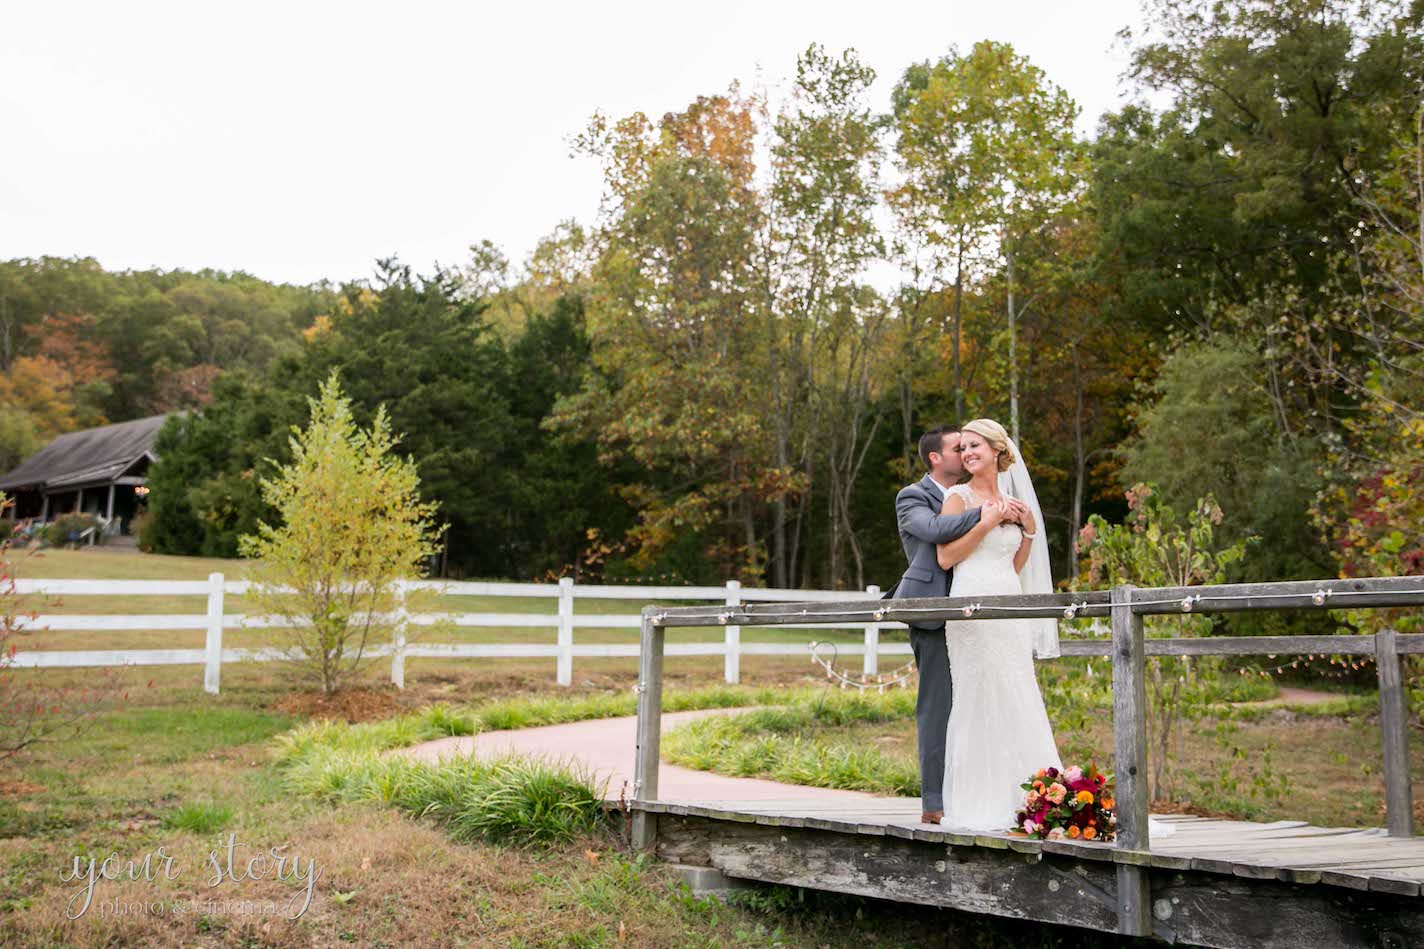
column 1128, row 647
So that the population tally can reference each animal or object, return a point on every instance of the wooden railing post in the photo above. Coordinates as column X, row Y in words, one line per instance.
column 650, row 714
column 1132, row 794
column 871, row 665
column 1394, row 732
column 566, row 631
column 732, row 667
column 212, row 659
column 399, row 638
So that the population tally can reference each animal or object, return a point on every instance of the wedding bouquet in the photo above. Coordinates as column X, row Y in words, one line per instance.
column 1072, row 804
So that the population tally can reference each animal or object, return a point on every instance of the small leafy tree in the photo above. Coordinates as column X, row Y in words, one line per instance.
column 32, row 711
column 352, row 527
column 1156, row 547
column 1375, row 522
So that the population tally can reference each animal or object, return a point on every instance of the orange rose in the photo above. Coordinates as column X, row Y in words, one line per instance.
column 1108, row 803
column 1073, row 831
column 1089, row 834
column 1085, row 797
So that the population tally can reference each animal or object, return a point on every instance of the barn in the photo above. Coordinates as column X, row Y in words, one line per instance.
column 101, row 471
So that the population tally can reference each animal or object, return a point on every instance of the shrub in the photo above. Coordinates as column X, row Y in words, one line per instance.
column 142, row 528
column 67, row 528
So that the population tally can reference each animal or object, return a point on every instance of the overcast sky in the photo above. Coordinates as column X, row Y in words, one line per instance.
column 300, row 141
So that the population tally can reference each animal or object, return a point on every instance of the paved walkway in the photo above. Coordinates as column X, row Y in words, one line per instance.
column 605, row 746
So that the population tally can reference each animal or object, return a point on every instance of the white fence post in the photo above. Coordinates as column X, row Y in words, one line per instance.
column 398, row 647
column 212, row 668
column 566, row 631
column 733, row 666
column 871, row 666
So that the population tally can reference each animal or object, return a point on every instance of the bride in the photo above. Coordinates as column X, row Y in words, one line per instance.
column 999, row 732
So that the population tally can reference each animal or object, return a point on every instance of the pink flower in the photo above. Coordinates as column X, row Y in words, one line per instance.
column 1029, row 827
column 1086, row 536
column 1073, row 774
column 1056, row 833
column 1056, row 793
column 1031, row 801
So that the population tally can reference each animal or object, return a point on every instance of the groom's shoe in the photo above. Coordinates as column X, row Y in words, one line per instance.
column 931, row 817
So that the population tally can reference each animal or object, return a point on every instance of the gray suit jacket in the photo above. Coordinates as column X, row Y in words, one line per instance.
column 922, row 527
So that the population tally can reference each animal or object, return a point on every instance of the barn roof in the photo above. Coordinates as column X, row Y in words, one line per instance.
column 93, row 455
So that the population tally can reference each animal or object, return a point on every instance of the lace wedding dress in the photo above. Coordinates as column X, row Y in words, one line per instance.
column 998, row 728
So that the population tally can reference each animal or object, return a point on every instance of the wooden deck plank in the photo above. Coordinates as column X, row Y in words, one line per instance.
column 1290, row 851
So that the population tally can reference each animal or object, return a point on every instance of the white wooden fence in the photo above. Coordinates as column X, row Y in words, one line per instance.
column 565, row 620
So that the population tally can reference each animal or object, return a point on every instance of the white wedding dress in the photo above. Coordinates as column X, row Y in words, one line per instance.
column 999, row 733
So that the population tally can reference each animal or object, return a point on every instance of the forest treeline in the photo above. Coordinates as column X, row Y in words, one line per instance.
column 1221, row 289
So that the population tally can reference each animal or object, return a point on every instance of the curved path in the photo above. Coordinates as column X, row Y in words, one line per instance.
column 605, row 747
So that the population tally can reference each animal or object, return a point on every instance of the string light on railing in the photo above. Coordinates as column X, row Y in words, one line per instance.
column 1189, row 604
column 880, row 682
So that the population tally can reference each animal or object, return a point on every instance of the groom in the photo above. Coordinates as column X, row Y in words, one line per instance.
column 922, row 526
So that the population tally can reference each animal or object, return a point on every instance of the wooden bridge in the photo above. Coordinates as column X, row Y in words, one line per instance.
column 1213, row 883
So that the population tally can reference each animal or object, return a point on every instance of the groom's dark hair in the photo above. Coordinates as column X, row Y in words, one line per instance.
column 933, row 440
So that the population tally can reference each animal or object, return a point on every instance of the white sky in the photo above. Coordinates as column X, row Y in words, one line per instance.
column 299, row 140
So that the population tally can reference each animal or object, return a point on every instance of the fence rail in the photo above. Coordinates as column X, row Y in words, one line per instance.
column 564, row 621
column 1128, row 648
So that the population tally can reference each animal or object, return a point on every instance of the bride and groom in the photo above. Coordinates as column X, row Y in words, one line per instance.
column 982, row 726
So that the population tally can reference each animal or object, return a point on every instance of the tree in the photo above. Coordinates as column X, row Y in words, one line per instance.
column 681, row 377
column 413, row 345
column 1237, row 206
column 352, row 527
column 823, row 329
column 204, row 491
column 43, row 390
column 1265, row 482
column 564, row 506
column 986, row 146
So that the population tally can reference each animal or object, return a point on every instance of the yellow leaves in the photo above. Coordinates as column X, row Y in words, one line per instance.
column 350, row 517
column 321, row 326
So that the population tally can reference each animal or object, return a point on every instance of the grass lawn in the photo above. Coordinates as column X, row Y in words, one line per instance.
column 176, row 768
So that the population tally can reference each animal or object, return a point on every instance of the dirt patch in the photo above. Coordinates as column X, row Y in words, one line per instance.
column 349, row 705
column 1294, row 696
column 1180, row 807
column 19, row 788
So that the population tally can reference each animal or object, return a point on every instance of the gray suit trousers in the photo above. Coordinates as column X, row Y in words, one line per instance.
column 932, row 704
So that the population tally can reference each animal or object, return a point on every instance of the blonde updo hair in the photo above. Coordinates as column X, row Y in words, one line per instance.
column 998, row 439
